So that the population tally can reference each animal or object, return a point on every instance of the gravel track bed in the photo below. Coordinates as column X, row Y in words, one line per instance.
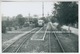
column 16, row 44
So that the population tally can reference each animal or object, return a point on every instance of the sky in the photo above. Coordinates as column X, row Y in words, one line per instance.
column 24, row 8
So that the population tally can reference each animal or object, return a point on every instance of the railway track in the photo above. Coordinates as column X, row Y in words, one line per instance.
column 35, row 39
column 56, row 40
column 68, row 40
column 62, row 41
column 14, row 47
column 53, row 41
column 60, row 44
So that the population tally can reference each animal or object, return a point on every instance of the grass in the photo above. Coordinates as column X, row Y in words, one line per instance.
column 25, row 29
column 70, row 43
column 8, row 36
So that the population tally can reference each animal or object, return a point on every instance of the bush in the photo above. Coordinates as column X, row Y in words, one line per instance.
column 15, row 28
column 59, row 27
column 10, row 28
column 36, row 24
column 26, row 24
column 3, row 29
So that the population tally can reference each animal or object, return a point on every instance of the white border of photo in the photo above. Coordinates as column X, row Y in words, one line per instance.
column 35, row 1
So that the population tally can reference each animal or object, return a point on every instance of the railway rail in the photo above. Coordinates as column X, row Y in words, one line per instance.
column 56, row 38
column 14, row 47
column 38, row 36
column 64, row 41
column 54, row 43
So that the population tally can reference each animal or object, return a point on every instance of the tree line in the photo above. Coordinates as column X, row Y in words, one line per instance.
column 17, row 21
column 65, row 13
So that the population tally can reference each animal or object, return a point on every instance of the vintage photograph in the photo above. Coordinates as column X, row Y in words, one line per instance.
column 39, row 27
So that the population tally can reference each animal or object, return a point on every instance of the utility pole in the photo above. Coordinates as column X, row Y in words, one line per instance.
column 42, row 9
column 29, row 17
column 48, row 17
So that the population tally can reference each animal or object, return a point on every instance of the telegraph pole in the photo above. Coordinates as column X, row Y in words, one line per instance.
column 29, row 18
column 42, row 9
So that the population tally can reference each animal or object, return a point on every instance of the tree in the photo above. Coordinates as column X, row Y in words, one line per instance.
column 35, row 21
column 44, row 19
column 53, row 19
column 66, row 12
column 3, row 27
column 21, row 20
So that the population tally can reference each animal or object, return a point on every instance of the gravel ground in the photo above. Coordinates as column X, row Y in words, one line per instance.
column 39, row 35
column 47, row 45
column 33, row 46
column 16, row 44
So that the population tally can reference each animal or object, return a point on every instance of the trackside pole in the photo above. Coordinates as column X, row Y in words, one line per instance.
column 69, row 30
column 49, row 43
